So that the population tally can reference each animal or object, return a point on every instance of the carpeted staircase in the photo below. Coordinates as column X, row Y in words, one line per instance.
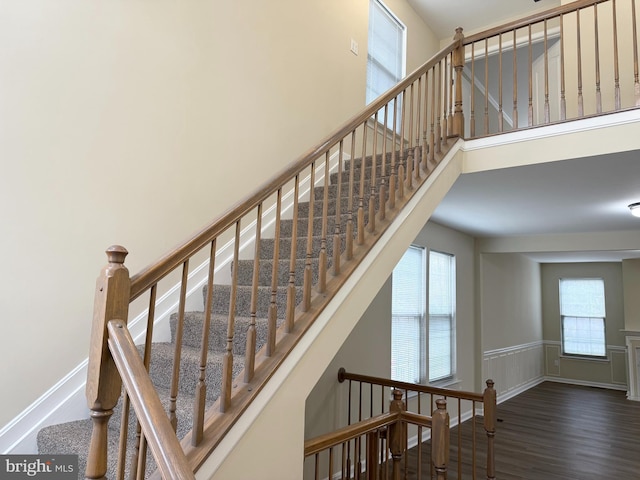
column 74, row 437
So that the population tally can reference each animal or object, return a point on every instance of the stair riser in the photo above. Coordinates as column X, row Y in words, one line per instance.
column 267, row 244
column 192, row 332
column 162, row 362
column 220, row 304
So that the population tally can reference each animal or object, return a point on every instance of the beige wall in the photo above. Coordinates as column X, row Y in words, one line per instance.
column 611, row 371
column 510, row 300
column 138, row 122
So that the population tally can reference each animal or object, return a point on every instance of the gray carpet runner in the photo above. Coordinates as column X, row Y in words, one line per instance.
column 74, row 437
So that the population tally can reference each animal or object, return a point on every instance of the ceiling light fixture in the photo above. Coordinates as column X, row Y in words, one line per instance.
column 635, row 209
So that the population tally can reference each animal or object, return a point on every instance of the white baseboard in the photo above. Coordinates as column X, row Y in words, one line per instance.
column 586, row 383
column 64, row 402
column 503, row 397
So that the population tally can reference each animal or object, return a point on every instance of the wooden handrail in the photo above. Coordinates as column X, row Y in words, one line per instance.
column 344, row 375
column 344, row 434
column 166, row 264
column 531, row 19
column 154, row 422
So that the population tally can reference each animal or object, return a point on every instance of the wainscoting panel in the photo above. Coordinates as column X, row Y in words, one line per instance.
column 514, row 369
column 618, row 365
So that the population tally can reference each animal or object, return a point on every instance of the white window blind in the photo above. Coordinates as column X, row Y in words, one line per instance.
column 385, row 57
column 582, row 310
column 441, row 315
column 408, row 315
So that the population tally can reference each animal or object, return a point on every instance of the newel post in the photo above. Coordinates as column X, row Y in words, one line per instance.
column 397, row 433
column 458, row 65
column 489, row 401
column 440, row 439
column 103, row 380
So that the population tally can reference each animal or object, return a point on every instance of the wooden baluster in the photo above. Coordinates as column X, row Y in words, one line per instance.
column 344, row 460
column 103, row 380
column 394, row 148
column 530, row 110
column 349, row 246
column 597, row 52
column 473, row 439
column 515, row 83
column 317, row 467
column 122, row 442
column 291, row 287
column 373, row 439
column 459, row 438
column 489, row 402
column 472, row 119
column 432, row 121
column 445, row 96
column 419, row 453
column 636, row 75
column 449, row 87
column 272, row 321
column 139, row 451
column 439, row 106
column 563, row 99
column 337, row 239
column 199, row 405
column 250, row 349
column 400, row 175
column 175, row 377
column 579, row 57
column 330, row 462
column 547, row 113
column 425, row 148
column 371, row 225
column 322, row 261
column 616, row 70
column 397, row 434
column 440, row 440
column 409, row 172
column 458, row 65
column 361, row 189
column 348, row 423
column 382, row 191
column 500, row 112
column 227, row 360
column 486, row 86
column 308, row 269
column 416, row 151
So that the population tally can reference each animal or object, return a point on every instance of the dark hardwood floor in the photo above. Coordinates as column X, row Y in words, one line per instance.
column 553, row 432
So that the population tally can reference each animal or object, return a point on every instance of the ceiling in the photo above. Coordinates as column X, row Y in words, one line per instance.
column 474, row 15
column 583, row 195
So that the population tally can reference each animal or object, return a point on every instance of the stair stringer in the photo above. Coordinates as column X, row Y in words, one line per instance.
column 268, row 439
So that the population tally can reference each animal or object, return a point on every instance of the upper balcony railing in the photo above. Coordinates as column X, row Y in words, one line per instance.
column 571, row 62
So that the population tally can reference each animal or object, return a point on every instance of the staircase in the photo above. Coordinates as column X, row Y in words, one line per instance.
column 276, row 299
column 74, row 437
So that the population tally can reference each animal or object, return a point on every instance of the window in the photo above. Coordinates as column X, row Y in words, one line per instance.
column 414, row 358
column 385, row 54
column 582, row 313
column 408, row 317
column 441, row 315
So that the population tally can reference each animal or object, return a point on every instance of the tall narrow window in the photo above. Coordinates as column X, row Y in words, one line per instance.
column 408, row 317
column 385, row 57
column 441, row 315
column 582, row 313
